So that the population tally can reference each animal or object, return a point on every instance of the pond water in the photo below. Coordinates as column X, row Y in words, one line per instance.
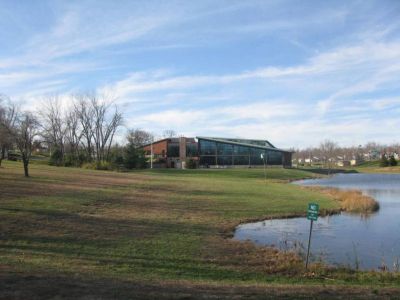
column 351, row 240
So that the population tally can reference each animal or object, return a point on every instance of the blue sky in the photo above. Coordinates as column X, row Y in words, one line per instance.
column 293, row 72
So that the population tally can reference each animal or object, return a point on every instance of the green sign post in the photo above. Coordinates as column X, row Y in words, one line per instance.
column 312, row 215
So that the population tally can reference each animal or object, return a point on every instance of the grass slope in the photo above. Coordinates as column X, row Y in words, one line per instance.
column 73, row 233
column 374, row 167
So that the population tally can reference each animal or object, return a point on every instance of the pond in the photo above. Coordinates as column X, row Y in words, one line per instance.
column 351, row 240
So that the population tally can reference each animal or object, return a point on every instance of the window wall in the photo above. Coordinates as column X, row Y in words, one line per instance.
column 207, row 147
column 173, row 150
column 274, row 158
column 225, row 154
column 191, row 150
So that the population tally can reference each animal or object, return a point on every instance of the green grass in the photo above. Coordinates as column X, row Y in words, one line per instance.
column 368, row 164
column 374, row 167
column 167, row 228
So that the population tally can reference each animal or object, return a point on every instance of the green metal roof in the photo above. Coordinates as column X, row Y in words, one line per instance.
column 243, row 142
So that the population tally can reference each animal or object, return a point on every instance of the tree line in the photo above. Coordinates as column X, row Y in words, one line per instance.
column 80, row 134
column 328, row 152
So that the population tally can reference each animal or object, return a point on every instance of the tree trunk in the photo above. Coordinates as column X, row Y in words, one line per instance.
column 3, row 154
column 26, row 171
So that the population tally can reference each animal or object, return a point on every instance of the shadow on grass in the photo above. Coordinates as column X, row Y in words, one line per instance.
column 50, row 286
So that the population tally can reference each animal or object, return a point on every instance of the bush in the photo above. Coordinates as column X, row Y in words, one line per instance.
column 133, row 157
column 14, row 156
column 89, row 166
column 384, row 162
column 392, row 161
column 103, row 165
column 56, row 158
column 191, row 163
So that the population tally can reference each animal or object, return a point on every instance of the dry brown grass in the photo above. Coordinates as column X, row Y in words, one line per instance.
column 355, row 201
column 351, row 200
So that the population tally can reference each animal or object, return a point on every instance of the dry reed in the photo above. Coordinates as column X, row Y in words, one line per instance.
column 352, row 200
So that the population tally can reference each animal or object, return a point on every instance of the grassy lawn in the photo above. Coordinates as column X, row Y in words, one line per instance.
column 374, row 167
column 71, row 233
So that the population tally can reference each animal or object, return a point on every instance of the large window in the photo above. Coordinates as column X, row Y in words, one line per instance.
column 173, row 150
column 225, row 154
column 191, row 150
column 224, row 160
column 207, row 147
column 274, row 158
column 224, row 149
column 207, row 160
column 240, row 150
column 257, row 152
column 241, row 160
column 256, row 160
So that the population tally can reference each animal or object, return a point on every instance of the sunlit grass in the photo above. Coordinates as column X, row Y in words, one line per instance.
column 151, row 225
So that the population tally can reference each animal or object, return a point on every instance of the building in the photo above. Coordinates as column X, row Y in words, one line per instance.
column 344, row 163
column 226, row 152
column 210, row 152
column 171, row 152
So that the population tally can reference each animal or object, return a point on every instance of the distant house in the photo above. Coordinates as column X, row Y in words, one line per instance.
column 372, row 155
column 312, row 160
column 356, row 160
column 343, row 163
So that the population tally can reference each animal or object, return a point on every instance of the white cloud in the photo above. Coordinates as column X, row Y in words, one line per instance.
column 330, row 93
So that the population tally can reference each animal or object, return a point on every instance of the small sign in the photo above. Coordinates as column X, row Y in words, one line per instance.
column 312, row 212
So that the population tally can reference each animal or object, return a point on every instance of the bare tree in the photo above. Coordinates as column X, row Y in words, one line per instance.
column 23, row 131
column 169, row 133
column 7, row 120
column 54, row 126
column 3, row 132
column 138, row 137
column 106, row 123
column 99, row 123
column 328, row 150
column 73, row 134
column 85, row 117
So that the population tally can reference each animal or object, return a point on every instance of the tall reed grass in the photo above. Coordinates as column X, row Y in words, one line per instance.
column 352, row 200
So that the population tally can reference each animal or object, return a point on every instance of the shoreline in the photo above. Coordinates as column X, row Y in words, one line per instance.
column 334, row 193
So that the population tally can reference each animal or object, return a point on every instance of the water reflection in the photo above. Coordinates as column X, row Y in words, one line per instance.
column 359, row 241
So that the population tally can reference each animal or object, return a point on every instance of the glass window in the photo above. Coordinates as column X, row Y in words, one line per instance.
column 257, row 152
column 224, row 160
column 256, row 160
column 224, row 149
column 240, row 150
column 173, row 150
column 207, row 147
column 191, row 150
column 241, row 160
column 207, row 160
column 274, row 158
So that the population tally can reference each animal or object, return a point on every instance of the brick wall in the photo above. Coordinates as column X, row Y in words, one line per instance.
column 159, row 148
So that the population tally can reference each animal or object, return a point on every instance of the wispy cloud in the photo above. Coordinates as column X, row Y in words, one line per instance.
column 224, row 68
